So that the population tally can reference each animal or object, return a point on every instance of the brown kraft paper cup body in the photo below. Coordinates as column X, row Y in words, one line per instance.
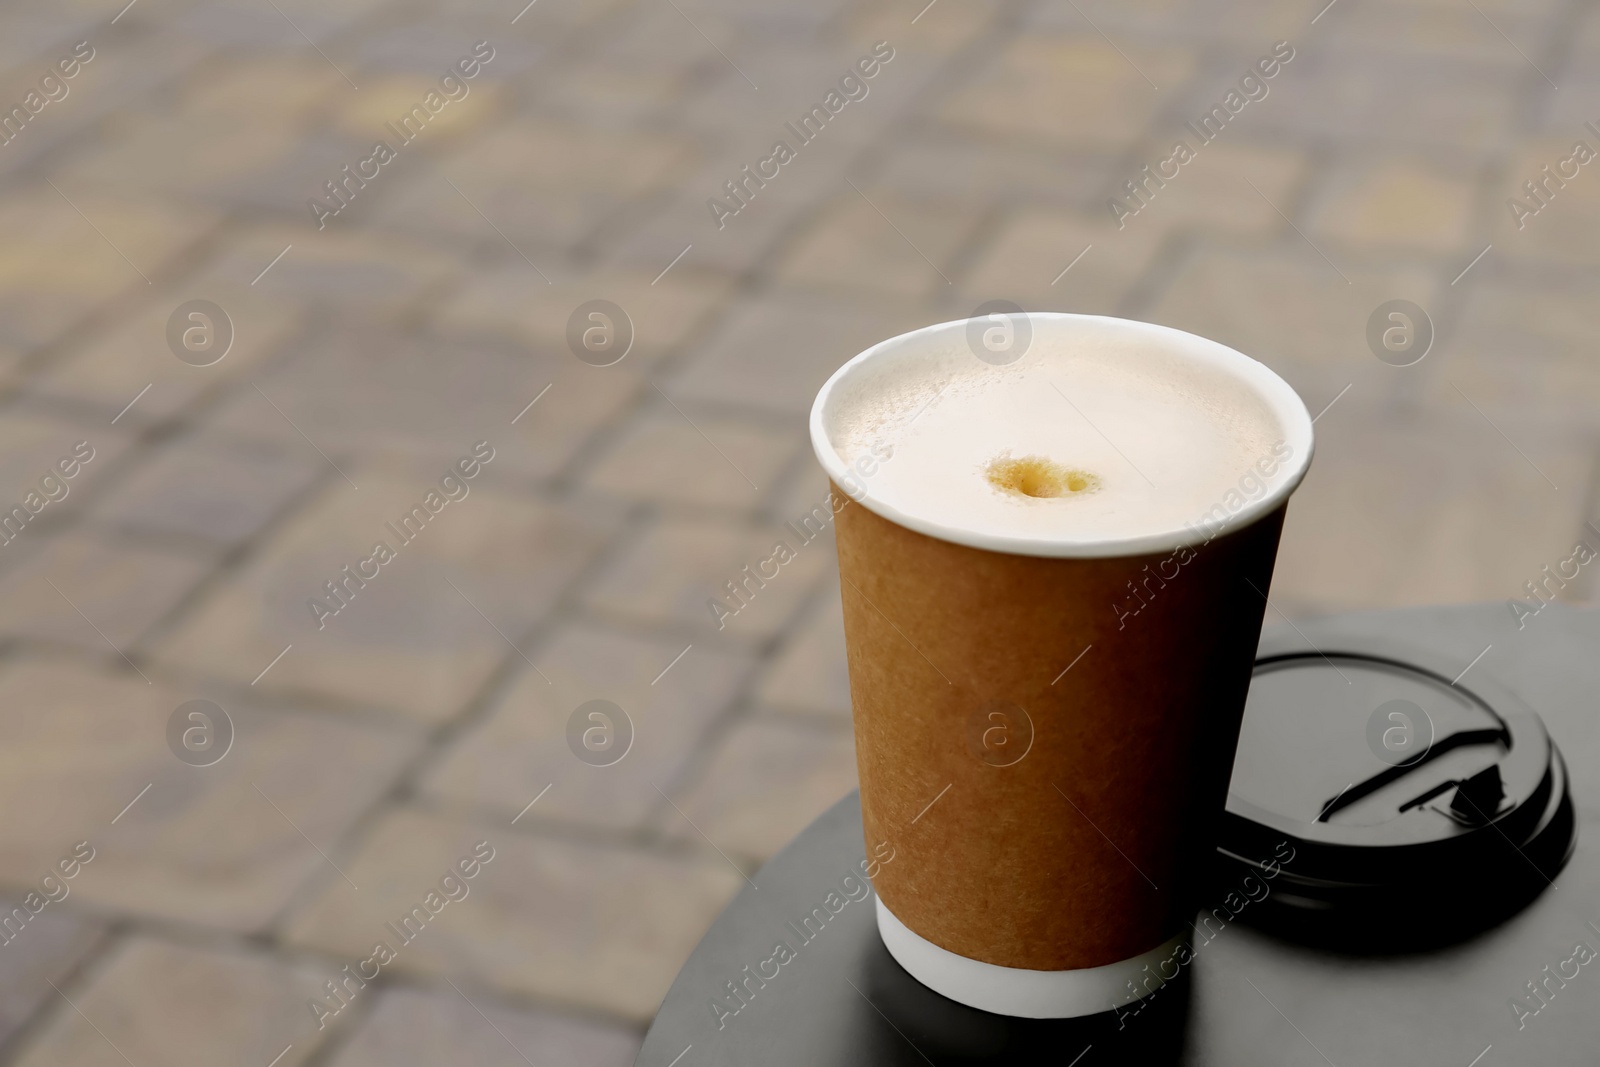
column 1089, row 849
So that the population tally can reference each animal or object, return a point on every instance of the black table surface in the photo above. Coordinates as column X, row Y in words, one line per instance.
column 1249, row 998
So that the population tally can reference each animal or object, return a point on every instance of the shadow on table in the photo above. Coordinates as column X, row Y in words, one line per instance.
column 937, row 1030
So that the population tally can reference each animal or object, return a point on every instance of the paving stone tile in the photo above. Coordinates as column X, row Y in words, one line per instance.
column 424, row 399
column 770, row 19
column 524, row 746
column 1244, row 22
column 1543, row 9
column 1398, row 205
column 795, row 73
column 407, row 640
column 540, row 183
column 931, row 34
column 1391, row 100
column 677, row 566
column 46, row 950
column 157, row 1002
column 775, row 351
column 1290, row 309
column 352, row 270
column 665, row 310
column 239, row 23
column 768, row 780
column 614, row 95
column 723, row 462
column 808, row 673
column 33, row 446
column 418, row 1028
column 882, row 243
column 30, row 34
column 1212, row 193
column 1072, row 89
column 114, row 77
column 1562, row 224
column 1525, row 351
column 738, row 245
column 191, row 491
column 1023, row 260
column 200, row 157
column 609, row 931
column 109, row 369
column 385, row 101
column 1433, row 508
column 55, row 268
column 936, row 164
column 12, row 358
column 105, row 594
column 274, row 90
column 204, row 845
column 1422, row 31
column 428, row 41
column 1581, row 48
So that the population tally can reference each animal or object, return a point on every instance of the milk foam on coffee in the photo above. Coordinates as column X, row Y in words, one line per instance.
column 1101, row 435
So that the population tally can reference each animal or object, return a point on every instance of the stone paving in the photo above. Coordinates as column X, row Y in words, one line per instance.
column 377, row 749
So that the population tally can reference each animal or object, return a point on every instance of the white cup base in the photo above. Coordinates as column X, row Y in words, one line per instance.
column 1017, row 991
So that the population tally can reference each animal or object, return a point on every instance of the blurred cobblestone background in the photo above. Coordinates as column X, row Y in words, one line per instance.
column 371, row 354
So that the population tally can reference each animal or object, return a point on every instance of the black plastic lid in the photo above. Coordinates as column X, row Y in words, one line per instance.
column 1389, row 785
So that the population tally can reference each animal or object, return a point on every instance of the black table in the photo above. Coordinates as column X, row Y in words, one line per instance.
column 1249, row 998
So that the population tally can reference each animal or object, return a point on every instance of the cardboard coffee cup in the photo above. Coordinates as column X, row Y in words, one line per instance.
column 1045, row 726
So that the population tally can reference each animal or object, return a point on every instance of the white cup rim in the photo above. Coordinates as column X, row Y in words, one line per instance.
column 1284, row 402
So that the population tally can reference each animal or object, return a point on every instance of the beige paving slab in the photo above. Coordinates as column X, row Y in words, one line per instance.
column 1230, row 187
column 195, row 155
column 277, row 89
column 190, row 490
column 936, row 162
column 423, row 1027
column 1031, row 258
column 356, row 270
column 663, row 456
column 767, row 781
column 1558, row 222
column 113, row 367
column 539, row 182
column 1397, row 205
column 388, row 99
column 93, row 591
column 1422, row 31
column 669, row 693
column 774, row 351
column 1525, row 351
column 880, row 242
column 1068, row 88
column 1296, row 312
column 1436, row 507
column 808, row 673
column 955, row 26
column 678, row 568
column 204, row 844
column 156, row 1002
column 404, row 639
column 1393, row 101
column 34, row 446
column 664, row 310
column 1240, row 22
column 57, row 265
column 366, row 387
column 236, row 22
column 45, row 950
column 589, row 926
